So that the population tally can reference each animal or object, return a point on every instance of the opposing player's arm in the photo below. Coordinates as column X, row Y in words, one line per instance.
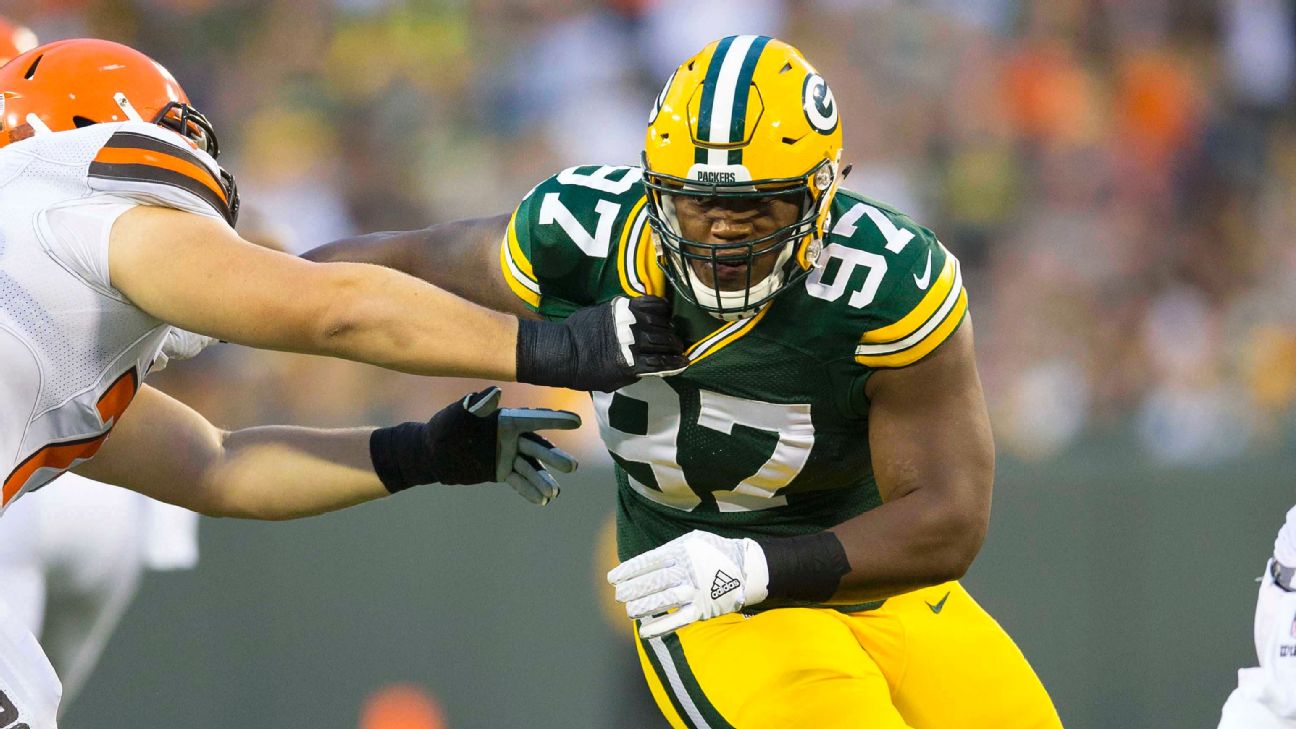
column 933, row 459
column 166, row 451
column 461, row 257
column 197, row 273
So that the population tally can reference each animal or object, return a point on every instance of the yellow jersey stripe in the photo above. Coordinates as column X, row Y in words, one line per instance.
column 714, row 337
column 515, row 251
column 627, row 263
column 935, row 296
column 524, row 289
column 924, row 347
column 722, row 337
column 923, row 331
column 650, row 272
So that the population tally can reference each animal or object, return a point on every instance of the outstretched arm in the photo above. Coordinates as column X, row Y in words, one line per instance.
column 199, row 275
column 165, row 450
column 461, row 257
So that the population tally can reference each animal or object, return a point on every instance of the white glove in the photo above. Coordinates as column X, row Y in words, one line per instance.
column 180, row 344
column 697, row 576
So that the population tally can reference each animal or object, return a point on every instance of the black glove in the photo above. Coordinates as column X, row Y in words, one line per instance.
column 473, row 441
column 603, row 347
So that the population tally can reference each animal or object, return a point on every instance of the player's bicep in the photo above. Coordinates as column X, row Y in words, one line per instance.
column 929, row 428
column 160, row 448
column 462, row 257
column 195, row 272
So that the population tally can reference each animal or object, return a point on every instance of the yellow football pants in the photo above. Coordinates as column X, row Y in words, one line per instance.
column 929, row 659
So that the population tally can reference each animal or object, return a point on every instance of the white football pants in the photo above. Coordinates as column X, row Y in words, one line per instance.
column 71, row 557
column 1266, row 696
column 29, row 689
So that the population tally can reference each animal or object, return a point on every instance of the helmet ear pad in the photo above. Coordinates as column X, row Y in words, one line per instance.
column 826, row 180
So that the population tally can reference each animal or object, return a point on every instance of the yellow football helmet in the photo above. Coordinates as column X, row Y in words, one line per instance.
column 747, row 117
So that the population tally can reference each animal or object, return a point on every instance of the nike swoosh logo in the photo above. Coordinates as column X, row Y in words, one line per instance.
column 925, row 280
column 938, row 606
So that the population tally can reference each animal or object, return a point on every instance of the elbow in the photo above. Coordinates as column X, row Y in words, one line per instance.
column 221, row 489
column 338, row 317
column 226, row 503
column 959, row 540
column 346, row 310
column 954, row 562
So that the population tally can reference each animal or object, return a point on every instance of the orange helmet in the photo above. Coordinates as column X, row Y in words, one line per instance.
column 74, row 83
column 14, row 39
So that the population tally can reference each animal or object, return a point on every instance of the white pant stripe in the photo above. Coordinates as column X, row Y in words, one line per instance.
column 677, row 684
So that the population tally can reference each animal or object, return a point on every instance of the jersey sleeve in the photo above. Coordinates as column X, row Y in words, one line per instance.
column 565, row 240
column 156, row 166
column 920, row 300
column 111, row 168
column 76, row 235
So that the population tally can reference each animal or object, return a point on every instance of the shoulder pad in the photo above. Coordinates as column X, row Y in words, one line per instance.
column 910, row 298
column 580, row 237
column 158, row 166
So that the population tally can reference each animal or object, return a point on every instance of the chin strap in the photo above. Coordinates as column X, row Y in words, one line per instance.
column 711, row 298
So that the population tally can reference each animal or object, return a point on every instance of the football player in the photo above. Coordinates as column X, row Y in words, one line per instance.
column 72, row 559
column 116, row 223
column 795, row 507
column 1266, row 695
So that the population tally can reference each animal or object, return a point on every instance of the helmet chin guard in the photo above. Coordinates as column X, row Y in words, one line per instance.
column 733, row 305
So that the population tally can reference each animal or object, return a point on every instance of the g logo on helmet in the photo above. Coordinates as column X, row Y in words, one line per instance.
column 819, row 105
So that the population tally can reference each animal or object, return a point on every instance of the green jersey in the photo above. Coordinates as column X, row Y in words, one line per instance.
column 765, row 433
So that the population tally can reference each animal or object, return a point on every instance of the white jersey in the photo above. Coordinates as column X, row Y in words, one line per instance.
column 73, row 349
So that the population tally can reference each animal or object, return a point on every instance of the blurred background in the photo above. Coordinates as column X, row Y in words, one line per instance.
column 1118, row 177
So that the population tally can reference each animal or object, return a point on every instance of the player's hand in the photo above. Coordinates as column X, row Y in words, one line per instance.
column 603, row 347
column 180, row 345
column 694, row 577
column 474, row 441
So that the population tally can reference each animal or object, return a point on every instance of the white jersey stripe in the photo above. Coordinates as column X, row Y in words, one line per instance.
column 518, row 275
column 697, row 350
column 934, row 321
column 632, row 252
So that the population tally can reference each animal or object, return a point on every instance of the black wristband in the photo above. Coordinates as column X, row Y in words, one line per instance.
column 807, row 568
column 400, row 456
column 544, row 353
column 456, row 446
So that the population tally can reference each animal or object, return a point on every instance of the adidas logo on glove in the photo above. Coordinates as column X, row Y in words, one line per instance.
column 723, row 583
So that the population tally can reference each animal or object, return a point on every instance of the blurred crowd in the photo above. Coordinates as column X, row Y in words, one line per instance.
column 1118, row 176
